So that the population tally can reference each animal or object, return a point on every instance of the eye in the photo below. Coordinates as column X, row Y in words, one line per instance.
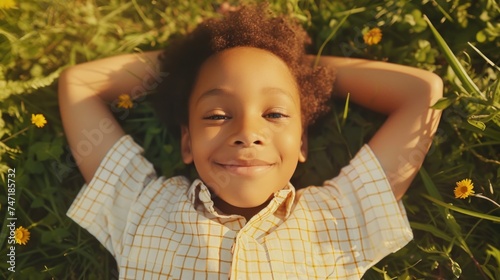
column 216, row 117
column 275, row 115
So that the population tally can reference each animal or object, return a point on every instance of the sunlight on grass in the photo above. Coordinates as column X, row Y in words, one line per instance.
column 454, row 238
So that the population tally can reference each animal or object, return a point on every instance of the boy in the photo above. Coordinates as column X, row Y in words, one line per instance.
column 242, row 90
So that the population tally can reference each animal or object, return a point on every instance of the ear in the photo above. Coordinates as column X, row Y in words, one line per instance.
column 187, row 155
column 303, row 147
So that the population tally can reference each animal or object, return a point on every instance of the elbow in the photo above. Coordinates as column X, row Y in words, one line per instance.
column 63, row 83
column 435, row 86
column 71, row 76
column 64, row 77
column 66, row 85
column 63, row 90
column 427, row 90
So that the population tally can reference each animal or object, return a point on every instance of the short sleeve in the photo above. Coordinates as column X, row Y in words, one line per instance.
column 365, row 195
column 102, row 206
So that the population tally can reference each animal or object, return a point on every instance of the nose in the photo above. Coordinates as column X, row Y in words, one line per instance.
column 248, row 132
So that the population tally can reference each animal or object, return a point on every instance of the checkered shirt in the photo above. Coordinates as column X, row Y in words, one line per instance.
column 159, row 228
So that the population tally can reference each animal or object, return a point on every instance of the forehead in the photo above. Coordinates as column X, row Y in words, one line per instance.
column 244, row 68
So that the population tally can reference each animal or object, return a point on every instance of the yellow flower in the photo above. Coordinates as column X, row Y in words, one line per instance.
column 372, row 36
column 7, row 4
column 38, row 119
column 22, row 235
column 464, row 189
column 124, row 101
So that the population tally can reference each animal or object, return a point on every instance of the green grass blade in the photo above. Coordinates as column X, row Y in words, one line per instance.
column 450, row 221
column 116, row 12
column 346, row 109
column 459, row 70
column 484, row 56
column 11, row 37
column 334, row 31
column 143, row 16
column 463, row 211
column 432, row 230
column 429, row 185
column 443, row 11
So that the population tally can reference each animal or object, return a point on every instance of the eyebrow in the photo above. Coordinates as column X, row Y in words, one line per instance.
column 221, row 91
column 213, row 92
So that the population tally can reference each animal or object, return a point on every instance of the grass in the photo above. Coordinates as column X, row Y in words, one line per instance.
column 458, row 40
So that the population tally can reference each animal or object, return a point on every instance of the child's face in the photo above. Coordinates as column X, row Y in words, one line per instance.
column 245, row 133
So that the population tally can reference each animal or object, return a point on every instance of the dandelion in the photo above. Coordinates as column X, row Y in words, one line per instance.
column 464, row 189
column 7, row 4
column 38, row 120
column 124, row 101
column 372, row 36
column 22, row 235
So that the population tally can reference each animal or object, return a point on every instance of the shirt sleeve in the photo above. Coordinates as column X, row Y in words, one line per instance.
column 102, row 206
column 374, row 217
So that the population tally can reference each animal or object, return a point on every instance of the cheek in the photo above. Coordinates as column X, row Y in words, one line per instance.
column 205, row 139
column 288, row 143
column 208, row 134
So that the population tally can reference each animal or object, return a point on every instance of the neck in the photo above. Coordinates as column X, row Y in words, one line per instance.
column 229, row 209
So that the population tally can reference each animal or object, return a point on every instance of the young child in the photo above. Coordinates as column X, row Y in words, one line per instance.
column 242, row 92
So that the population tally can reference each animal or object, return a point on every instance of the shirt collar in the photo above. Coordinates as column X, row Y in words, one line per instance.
column 281, row 204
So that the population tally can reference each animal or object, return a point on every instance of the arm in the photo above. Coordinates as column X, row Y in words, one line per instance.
column 85, row 90
column 405, row 95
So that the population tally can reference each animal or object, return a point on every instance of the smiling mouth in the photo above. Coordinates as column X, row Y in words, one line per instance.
column 246, row 170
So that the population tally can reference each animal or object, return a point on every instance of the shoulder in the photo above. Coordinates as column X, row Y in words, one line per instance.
column 360, row 184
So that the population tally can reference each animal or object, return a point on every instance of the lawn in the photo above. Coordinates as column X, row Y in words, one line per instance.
column 456, row 231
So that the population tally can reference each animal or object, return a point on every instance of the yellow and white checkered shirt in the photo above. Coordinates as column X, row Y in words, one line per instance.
column 160, row 228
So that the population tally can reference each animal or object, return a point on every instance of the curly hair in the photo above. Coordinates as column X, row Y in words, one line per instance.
column 250, row 27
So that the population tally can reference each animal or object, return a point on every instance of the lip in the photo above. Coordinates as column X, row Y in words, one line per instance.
column 245, row 167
